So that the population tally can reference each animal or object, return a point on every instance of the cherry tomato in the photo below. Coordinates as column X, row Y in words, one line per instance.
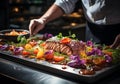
column 36, row 51
column 25, row 53
column 58, row 58
column 49, row 55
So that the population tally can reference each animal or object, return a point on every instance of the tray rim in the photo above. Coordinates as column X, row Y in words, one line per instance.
column 61, row 73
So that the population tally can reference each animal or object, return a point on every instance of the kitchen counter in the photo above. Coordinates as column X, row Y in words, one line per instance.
column 26, row 75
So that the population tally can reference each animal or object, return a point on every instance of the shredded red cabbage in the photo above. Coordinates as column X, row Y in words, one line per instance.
column 76, row 62
column 17, row 50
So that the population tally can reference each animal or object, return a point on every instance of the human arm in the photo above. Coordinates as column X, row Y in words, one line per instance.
column 56, row 10
column 38, row 24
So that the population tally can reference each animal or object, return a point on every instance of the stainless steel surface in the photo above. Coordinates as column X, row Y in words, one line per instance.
column 32, row 76
column 29, row 75
column 68, row 73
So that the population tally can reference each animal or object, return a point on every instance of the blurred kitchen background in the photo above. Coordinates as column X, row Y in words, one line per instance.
column 18, row 13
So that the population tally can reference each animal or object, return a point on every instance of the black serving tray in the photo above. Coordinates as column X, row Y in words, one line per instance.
column 55, row 69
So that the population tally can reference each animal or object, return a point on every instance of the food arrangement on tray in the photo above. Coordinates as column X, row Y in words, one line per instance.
column 88, row 57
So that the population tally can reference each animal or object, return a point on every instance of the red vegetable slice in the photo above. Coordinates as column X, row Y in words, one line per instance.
column 58, row 58
column 65, row 40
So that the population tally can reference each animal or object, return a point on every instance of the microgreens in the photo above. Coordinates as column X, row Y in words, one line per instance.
column 70, row 35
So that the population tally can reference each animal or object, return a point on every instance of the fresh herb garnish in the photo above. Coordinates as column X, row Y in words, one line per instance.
column 22, row 39
column 60, row 35
column 73, row 36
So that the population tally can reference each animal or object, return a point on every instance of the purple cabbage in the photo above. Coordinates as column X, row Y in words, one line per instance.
column 108, row 58
column 89, row 43
column 76, row 62
column 47, row 36
column 18, row 50
column 99, row 52
column 4, row 47
column 48, row 52
column 95, row 51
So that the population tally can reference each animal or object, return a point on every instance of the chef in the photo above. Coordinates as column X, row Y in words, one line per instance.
column 102, row 18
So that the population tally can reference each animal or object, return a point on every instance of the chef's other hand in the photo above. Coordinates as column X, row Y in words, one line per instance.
column 116, row 43
column 36, row 25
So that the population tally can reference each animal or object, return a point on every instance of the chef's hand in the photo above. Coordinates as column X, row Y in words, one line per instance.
column 116, row 43
column 36, row 25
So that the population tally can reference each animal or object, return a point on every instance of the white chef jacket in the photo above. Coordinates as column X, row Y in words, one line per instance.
column 96, row 11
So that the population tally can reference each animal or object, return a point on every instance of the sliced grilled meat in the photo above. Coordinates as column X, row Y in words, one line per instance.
column 58, row 47
column 76, row 47
column 72, row 48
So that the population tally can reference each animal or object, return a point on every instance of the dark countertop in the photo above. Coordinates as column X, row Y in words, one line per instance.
column 27, row 75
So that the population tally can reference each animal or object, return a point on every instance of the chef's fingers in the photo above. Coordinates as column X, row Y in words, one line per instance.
column 32, row 26
column 39, row 27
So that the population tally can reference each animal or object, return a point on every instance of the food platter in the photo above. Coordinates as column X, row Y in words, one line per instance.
column 69, row 73
column 63, row 71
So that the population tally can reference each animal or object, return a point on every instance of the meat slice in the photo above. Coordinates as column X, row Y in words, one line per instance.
column 72, row 48
column 76, row 47
column 58, row 47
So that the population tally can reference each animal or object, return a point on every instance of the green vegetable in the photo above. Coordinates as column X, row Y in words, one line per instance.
column 73, row 36
column 60, row 35
column 115, row 55
column 21, row 39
